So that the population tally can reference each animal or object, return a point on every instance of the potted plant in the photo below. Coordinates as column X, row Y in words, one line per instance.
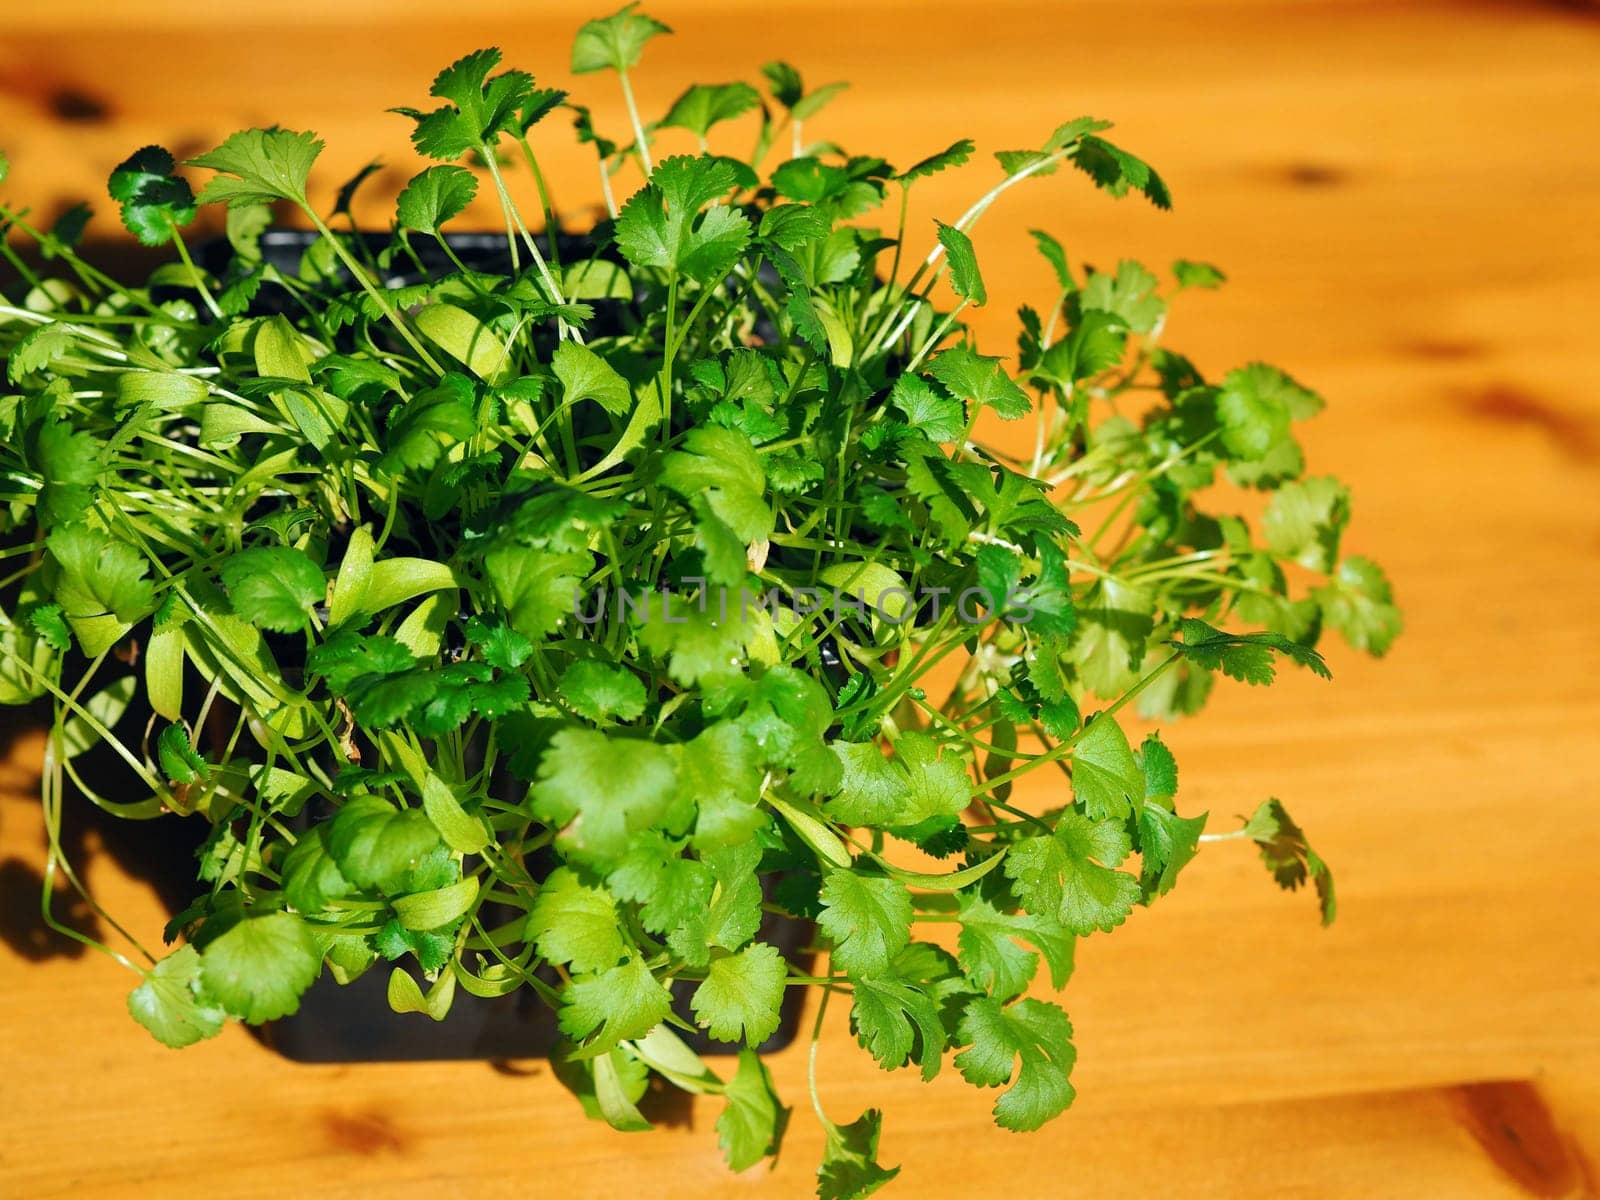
column 549, row 624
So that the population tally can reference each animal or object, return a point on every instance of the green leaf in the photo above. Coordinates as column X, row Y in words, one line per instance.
column 1047, row 600
column 1287, row 854
column 613, row 42
column 618, row 787
column 1129, row 294
column 873, row 789
column 816, row 835
column 430, row 423
column 786, row 711
column 623, row 1002
column 751, row 1125
column 954, row 155
column 964, row 275
column 1305, row 520
column 850, row 1167
column 979, row 379
column 171, row 1003
column 436, row 908
column 502, row 646
column 1283, row 461
column 671, row 889
column 742, row 995
column 536, row 588
column 576, row 924
column 224, row 424
column 257, row 166
column 596, row 279
column 244, row 225
column 379, row 846
column 280, row 351
column 258, row 968
column 354, row 578
column 101, row 585
column 1167, row 844
column 601, row 692
column 792, row 226
column 179, row 762
column 346, row 658
column 431, row 949
column 612, row 1093
column 1055, row 254
column 1359, row 602
column 922, row 781
column 476, row 346
column 1116, row 171
column 893, row 1020
column 785, row 82
column 937, row 415
column 706, row 105
column 38, row 350
column 162, row 391
column 1115, row 618
column 720, row 769
column 1096, row 343
column 1191, row 274
column 720, row 467
column 311, row 877
column 813, row 102
column 630, row 1080
column 732, row 914
column 481, row 108
column 789, row 90
column 1071, row 874
column 24, row 661
column 345, row 198
column 939, row 779
column 422, row 631
column 154, row 201
column 1246, row 657
column 585, row 375
column 881, row 591
column 1019, row 163
column 274, row 587
column 1032, row 1033
column 1253, row 406
column 1106, row 780
column 867, row 918
column 434, row 196
column 989, row 953
column 662, row 226
column 50, row 623
column 70, row 463
column 405, row 996
column 1159, row 768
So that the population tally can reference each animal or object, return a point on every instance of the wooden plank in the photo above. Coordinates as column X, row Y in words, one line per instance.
column 1405, row 198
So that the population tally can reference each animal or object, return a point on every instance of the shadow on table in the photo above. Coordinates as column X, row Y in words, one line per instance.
column 159, row 852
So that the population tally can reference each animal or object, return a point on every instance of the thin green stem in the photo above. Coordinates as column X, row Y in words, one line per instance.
column 360, row 275
column 1062, row 749
column 194, row 275
column 641, row 142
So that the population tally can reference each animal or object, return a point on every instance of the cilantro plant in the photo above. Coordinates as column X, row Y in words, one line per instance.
column 560, row 622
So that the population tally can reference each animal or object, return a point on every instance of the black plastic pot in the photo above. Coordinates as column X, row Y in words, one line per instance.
column 354, row 1023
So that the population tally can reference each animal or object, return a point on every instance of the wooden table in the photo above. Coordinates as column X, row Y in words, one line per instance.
column 1406, row 197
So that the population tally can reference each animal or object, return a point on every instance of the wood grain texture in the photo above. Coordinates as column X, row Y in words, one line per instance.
column 1406, row 198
